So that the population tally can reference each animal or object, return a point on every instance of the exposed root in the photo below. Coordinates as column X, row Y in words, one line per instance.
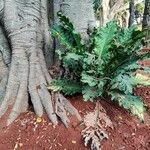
column 62, row 106
column 3, row 83
column 47, row 103
column 16, row 90
column 3, row 78
column 20, row 105
column 33, row 77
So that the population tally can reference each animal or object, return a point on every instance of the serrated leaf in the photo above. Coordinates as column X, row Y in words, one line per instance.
column 89, row 93
column 66, row 33
column 89, row 80
column 103, row 39
column 71, row 60
column 124, row 83
column 68, row 87
column 132, row 103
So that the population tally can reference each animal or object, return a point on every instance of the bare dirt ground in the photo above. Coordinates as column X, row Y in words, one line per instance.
column 31, row 133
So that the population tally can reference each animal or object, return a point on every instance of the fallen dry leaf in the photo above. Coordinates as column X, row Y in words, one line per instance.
column 38, row 120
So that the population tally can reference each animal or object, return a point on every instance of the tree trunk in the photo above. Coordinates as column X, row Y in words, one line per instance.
column 104, row 12
column 146, row 20
column 109, row 9
column 132, row 13
column 24, row 25
column 80, row 12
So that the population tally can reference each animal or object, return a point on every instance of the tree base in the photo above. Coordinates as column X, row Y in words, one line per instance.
column 28, row 75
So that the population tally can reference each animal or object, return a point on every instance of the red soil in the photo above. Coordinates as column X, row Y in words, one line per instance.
column 27, row 134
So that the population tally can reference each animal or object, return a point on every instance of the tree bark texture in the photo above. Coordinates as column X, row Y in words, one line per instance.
column 80, row 12
column 146, row 19
column 24, row 26
column 109, row 9
column 132, row 13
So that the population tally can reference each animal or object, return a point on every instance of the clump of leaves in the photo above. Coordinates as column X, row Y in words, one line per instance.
column 104, row 66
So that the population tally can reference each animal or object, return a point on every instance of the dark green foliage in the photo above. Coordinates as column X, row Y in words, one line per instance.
column 66, row 33
column 68, row 87
column 106, row 65
column 69, row 38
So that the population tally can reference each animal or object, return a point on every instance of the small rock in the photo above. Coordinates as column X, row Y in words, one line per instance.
column 122, row 147
column 73, row 142
column 133, row 134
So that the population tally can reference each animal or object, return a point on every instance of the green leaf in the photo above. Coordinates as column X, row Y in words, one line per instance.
column 64, row 37
column 104, row 38
column 130, row 102
column 89, row 93
column 90, row 80
column 68, row 87
column 66, row 34
column 124, row 83
column 71, row 60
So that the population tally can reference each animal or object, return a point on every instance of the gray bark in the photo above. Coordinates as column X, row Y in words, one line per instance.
column 132, row 13
column 4, row 63
column 146, row 17
column 105, row 12
column 80, row 12
column 110, row 8
column 146, row 20
column 25, row 23
column 4, row 47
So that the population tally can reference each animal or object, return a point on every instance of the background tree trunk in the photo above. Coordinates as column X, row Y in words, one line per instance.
column 110, row 8
column 24, row 26
column 104, row 12
column 132, row 13
column 146, row 19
